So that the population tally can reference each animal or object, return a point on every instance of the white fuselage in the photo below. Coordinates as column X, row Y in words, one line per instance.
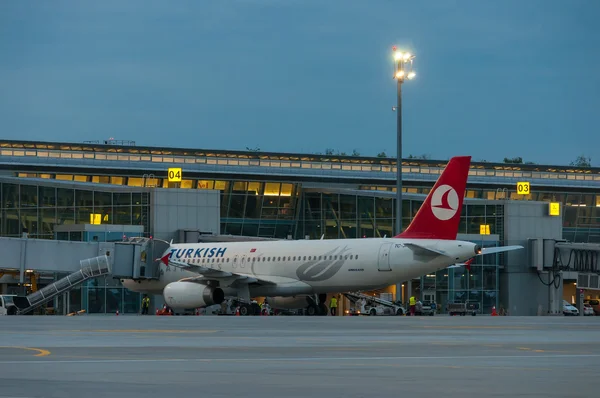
column 312, row 266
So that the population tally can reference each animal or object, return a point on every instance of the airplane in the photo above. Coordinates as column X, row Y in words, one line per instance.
column 294, row 274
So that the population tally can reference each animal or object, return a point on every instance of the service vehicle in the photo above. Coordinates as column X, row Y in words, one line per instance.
column 463, row 309
column 7, row 305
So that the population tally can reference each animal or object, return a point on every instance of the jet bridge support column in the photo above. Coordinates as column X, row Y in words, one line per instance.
column 552, row 305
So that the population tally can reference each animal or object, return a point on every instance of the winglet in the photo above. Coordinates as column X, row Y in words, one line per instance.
column 439, row 216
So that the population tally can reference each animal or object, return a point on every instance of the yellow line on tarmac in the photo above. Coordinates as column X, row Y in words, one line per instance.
column 40, row 352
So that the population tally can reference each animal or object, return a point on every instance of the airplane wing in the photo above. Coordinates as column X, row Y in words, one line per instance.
column 212, row 274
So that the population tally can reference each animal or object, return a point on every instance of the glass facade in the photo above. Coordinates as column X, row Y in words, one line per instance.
column 257, row 208
column 269, row 208
column 581, row 210
column 37, row 209
column 480, row 285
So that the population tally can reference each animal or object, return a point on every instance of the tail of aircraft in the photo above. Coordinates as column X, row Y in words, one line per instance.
column 439, row 216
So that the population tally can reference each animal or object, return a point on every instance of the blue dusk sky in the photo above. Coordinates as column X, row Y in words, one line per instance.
column 494, row 79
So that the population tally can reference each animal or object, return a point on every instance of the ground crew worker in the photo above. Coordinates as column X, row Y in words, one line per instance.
column 412, row 303
column 333, row 306
column 145, row 304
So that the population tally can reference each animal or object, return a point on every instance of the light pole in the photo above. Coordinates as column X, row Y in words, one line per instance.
column 403, row 69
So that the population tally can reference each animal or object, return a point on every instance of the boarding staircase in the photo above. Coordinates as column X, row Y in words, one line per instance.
column 90, row 268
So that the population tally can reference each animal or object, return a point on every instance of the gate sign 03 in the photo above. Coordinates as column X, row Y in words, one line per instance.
column 523, row 188
column 174, row 175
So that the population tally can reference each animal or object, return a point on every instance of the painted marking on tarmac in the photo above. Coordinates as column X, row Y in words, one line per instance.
column 474, row 327
column 302, row 359
column 445, row 366
column 348, row 349
column 315, row 339
column 148, row 331
column 541, row 350
column 40, row 352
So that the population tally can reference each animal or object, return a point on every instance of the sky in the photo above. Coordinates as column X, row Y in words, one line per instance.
column 494, row 79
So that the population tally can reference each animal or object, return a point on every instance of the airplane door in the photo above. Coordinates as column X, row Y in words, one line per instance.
column 384, row 257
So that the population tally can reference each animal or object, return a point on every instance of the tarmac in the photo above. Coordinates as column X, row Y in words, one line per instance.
column 296, row 356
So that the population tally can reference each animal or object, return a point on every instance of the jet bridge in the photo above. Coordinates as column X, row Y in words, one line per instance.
column 90, row 268
column 138, row 258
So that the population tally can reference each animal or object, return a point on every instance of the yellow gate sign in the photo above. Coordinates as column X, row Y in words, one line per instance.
column 523, row 188
column 174, row 175
column 554, row 208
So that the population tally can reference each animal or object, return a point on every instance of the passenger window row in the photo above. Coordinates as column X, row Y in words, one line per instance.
column 278, row 258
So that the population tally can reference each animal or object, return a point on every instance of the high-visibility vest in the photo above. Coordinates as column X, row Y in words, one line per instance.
column 412, row 301
column 333, row 303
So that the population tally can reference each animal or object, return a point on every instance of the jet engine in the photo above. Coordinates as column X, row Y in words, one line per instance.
column 289, row 303
column 192, row 295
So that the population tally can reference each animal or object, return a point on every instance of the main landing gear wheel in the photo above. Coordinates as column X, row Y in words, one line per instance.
column 312, row 310
column 245, row 309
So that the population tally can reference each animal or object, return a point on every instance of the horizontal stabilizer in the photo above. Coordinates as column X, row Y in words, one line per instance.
column 424, row 250
column 501, row 249
column 485, row 251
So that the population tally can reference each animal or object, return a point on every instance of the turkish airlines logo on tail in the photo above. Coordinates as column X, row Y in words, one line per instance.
column 444, row 202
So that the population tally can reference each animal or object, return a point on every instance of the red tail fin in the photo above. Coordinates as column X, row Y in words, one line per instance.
column 439, row 216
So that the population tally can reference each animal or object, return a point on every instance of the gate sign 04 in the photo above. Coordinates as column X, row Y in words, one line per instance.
column 523, row 188
column 174, row 175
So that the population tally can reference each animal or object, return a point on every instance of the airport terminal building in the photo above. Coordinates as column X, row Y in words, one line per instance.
column 101, row 192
